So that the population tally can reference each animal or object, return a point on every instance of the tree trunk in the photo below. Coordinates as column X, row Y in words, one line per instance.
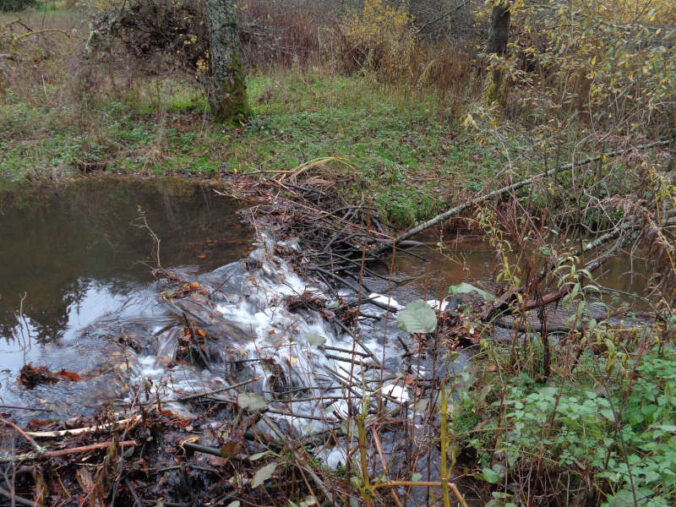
column 499, row 32
column 227, row 93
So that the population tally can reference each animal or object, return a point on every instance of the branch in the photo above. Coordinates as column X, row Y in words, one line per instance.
column 515, row 186
column 64, row 452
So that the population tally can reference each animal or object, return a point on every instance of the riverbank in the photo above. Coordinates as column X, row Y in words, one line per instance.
column 405, row 150
column 570, row 411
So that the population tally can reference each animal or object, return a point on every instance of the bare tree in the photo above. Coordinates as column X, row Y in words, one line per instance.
column 227, row 93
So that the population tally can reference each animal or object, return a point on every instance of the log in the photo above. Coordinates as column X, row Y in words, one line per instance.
column 79, row 431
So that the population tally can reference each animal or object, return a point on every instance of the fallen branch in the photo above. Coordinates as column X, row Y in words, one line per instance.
column 515, row 186
column 80, row 431
column 64, row 452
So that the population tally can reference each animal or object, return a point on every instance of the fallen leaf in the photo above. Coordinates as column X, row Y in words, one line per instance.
column 263, row 474
column 70, row 375
column 230, row 449
column 251, row 401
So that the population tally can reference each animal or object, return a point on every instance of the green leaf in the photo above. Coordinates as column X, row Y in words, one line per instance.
column 490, row 476
column 315, row 339
column 263, row 474
column 251, row 401
column 259, row 455
column 417, row 317
column 466, row 288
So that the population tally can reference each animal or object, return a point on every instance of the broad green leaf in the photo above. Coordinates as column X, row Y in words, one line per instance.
column 263, row 474
column 251, row 401
column 490, row 476
column 466, row 288
column 417, row 317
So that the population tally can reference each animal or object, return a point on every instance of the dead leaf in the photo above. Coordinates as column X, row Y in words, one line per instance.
column 84, row 479
column 70, row 375
column 263, row 474
column 31, row 376
column 230, row 449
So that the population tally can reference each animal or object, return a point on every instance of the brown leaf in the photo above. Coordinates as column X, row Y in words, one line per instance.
column 84, row 479
column 31, row 376
column 70, row 375
column 230, row 449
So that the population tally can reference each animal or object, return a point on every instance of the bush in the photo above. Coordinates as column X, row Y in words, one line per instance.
column 15, row 5
column 381, row 38
column 591, row 440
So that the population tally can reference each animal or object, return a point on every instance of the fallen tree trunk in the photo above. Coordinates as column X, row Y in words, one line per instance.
column 514, row 186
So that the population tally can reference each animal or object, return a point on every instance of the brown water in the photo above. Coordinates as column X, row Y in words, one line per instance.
column 73, row 253
column 623, row 278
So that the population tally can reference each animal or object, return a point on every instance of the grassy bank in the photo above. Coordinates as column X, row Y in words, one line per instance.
column 408, row 150
column 398, row 147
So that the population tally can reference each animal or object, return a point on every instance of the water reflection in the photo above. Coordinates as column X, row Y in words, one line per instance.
column 623, row 278
column 77, row 251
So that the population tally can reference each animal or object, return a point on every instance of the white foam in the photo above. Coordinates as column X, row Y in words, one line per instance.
column 389, row 302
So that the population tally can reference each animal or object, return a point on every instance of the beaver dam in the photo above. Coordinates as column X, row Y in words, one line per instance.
column 163, row 344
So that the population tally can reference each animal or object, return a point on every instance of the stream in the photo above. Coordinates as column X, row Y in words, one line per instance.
column 77, row 296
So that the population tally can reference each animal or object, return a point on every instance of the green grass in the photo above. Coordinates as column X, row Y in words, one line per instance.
column 405, row 155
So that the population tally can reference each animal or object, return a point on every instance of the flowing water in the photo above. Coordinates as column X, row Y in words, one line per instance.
column 77, row 295
column 76, row 254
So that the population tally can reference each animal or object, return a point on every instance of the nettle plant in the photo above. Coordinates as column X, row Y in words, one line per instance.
column 600, row 428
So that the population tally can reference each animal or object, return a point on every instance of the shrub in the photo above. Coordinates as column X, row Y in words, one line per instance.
column 380, row 38
column 612, row 61
column 280, row 33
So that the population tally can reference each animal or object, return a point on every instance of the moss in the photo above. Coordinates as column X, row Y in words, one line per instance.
column 496, row 89
column 233, row 108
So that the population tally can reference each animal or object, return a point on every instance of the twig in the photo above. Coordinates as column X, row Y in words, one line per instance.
column 38, row 448
column 427, row 484
column 78, row 431
column 17, row 499
column 64, row 452
column 201, row 448
column 208, row 393
column 29, row 409
column 132, row 490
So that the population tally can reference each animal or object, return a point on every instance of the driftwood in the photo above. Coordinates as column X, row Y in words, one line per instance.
column 509, row 188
